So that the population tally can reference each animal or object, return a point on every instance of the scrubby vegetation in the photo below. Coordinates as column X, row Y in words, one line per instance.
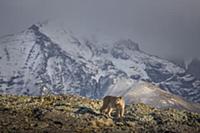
column 79, row 114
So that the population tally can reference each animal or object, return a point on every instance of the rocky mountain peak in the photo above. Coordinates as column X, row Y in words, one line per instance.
column 34, row 27
column 127, row 44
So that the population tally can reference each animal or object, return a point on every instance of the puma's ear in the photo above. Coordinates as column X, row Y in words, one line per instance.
column 120, row 97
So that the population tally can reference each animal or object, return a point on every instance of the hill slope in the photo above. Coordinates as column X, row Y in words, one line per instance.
column 152, row 95
column 69, row 113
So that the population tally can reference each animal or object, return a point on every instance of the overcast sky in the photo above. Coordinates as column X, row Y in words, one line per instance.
column 161, row 27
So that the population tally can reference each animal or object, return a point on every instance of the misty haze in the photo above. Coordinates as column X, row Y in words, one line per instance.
column 99, row 66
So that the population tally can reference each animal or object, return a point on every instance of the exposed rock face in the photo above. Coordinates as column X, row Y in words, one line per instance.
column 65, row 63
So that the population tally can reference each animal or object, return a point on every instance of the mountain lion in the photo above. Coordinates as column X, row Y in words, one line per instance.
column 113, row 102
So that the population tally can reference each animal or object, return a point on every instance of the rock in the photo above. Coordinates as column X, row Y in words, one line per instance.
column 131, row 124
column 58, row 123
column 102, row 123
column 42, row 125
column 37, row 113
column 119, row 123
column 84, row 110
column 61, row 108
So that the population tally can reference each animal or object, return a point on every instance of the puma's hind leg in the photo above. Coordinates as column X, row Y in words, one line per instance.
column 110, row 111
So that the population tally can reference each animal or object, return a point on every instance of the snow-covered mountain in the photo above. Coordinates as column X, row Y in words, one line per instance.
column 191, row 65
column 66, row 62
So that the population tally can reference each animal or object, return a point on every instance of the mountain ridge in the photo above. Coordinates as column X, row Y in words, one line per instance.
column 70, row 64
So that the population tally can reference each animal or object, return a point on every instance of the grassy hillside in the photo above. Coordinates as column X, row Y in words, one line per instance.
column 78, row 114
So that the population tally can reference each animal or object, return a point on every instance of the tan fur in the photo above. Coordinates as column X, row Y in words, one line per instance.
column 113, row 102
